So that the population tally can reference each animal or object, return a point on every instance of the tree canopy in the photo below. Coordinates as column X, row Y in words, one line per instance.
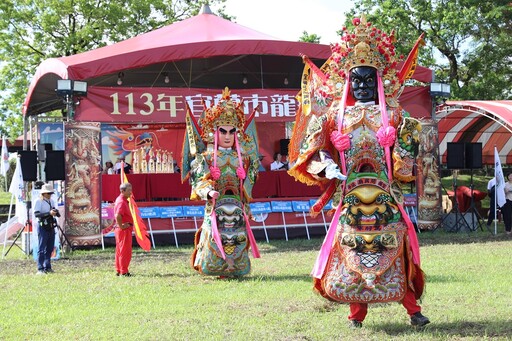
column 32, row 31
column 310, row 38
column 469, row 42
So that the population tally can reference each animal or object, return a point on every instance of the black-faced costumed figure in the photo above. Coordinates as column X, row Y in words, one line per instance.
column 353, row 139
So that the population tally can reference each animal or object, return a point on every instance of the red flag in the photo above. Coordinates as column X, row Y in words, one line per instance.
column 410, row 63
column 141, row 231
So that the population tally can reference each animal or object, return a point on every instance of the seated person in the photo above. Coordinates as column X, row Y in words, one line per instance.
column 277, row 164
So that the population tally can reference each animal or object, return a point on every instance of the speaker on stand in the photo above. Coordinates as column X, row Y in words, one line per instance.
column 455, row 153
column 54, row 166
column 455, row 160
column 474, row 161
column 283, row 146
column 28, row 160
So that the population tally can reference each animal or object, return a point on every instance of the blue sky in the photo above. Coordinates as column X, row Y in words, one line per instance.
column 287, row 19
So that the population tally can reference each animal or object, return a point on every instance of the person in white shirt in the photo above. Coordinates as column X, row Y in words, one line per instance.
column 506, row 210
column 109, row 168
column 277, row 164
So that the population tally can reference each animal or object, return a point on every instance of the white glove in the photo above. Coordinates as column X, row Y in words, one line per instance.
column 213, row 194
column 332, row 171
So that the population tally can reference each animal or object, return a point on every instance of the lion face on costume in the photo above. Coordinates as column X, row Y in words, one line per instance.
column 368, row 205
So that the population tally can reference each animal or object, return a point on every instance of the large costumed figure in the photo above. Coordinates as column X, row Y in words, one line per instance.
column 354, row 140
column 220, row 157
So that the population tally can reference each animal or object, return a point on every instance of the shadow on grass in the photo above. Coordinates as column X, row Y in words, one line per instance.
column 455, row 330
column 429, row 238
column 247, row 278
column 274, row 278
column 440, row 279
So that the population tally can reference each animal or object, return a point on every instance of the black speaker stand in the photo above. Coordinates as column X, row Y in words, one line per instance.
column 460, row 221
column 63, row 235
column 18, row 235
column 472, row 208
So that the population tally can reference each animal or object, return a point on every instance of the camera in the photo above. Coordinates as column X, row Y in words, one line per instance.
column 57, row 213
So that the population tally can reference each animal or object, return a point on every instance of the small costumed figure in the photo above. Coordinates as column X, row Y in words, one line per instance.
column 143, row 162
column 136, row 161
column 220, row 157
column 170, row 163
column 151, row 161
column 352, row 138
column 158, row 163
column 165, row 166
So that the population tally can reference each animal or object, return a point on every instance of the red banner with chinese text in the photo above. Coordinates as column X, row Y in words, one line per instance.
column 167, row 105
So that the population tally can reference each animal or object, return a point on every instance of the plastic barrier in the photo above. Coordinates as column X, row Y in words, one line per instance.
column 282, row 207
column 172, row 212
column 260, row 211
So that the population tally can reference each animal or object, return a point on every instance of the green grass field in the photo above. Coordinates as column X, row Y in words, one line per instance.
column 468, row 296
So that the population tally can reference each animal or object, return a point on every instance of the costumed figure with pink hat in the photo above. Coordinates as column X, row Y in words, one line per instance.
column 220, row 158
column 352, row 138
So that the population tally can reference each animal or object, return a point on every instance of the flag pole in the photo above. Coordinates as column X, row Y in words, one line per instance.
column 4, row 160
column 495, row 202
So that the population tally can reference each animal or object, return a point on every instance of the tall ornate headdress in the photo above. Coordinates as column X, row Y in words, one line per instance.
column 369, row 46
column 225, row 113
column 366, row 46
column 204, row 133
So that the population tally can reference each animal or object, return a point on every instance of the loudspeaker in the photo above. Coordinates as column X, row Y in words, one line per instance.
column 28, row 160
column 455, row 155
column 283, row 146
column 54, row 166
column 474, row 155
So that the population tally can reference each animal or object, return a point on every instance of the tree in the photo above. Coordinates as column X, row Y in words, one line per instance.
column 310, row 38
column 34, row 30
column 473, row 37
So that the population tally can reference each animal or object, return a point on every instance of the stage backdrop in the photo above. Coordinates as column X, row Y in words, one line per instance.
column 145, row 145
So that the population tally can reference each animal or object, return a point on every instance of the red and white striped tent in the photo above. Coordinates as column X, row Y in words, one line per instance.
column 486, row 122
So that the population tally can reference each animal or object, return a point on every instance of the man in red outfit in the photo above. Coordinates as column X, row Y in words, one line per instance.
column 123, row 230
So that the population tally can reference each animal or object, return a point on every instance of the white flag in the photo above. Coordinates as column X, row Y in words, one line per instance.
column 500, row 180
column 5, row 158
column 17, row 189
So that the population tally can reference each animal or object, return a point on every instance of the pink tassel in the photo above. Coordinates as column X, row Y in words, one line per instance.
column 341, row 112
column 215, row 172
column 216, row 139
column 385, row 123
column 341, row 115
column 413, row 238
column 323, row 255
column 382, row 102
column 340, row 141
column 215, row 232
column 386, row 136
column 252, row 241
column 240, row 172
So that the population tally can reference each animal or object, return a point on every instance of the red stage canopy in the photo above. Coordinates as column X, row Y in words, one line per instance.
column 204, row 51
column 486, row 122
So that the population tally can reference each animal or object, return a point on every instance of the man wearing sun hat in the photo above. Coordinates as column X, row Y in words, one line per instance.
column 45, row 212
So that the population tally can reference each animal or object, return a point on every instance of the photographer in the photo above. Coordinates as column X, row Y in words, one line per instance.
column 45, row 212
